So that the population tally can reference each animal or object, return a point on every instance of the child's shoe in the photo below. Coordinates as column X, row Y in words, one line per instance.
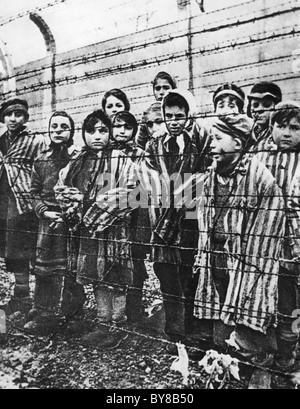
column 112, row 339
column 42, row 325
column 18, row 305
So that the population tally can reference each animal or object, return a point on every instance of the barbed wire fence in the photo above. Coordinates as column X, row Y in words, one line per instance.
column 27, row 74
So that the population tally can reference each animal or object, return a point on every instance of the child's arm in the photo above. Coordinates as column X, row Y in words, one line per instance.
column 36, row 191
column 41, row 208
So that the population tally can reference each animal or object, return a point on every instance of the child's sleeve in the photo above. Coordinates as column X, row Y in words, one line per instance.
column 36, row 191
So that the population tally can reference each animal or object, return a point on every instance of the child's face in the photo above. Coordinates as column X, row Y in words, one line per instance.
column 14, row 121
column 224, row 148
column 161, row 89
column 227, row 105
column 287, row 134
column 122, row 131
column 113, row 106
column 154, row 122
column 261, row 110
column 176, row 120
column 98, row 139
column 60, row 130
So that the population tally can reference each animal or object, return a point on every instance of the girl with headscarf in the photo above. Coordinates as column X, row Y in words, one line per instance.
column 51, row 256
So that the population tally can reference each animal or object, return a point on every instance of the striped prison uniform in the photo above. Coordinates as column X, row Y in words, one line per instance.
column 254, row 227
column 18, row 162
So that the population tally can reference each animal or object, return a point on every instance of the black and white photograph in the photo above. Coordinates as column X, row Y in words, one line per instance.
column 149, row 197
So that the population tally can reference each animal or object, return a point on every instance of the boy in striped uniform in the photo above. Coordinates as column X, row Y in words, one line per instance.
column 282, row 157
column 18, row 223
column 240, row 232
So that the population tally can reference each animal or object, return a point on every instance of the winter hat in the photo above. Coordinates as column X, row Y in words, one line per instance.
column 237, row 126
column 230, row 89
column 154, row 108
column 263, row 90
column 14, row 104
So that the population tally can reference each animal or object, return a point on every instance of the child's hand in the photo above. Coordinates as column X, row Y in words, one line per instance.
column 53, row 216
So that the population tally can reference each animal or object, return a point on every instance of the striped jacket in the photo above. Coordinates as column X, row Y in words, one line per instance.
column 106, row 237
column 18, row 163
column 284, row 166
column 171, row 230
column 261, row 139
column 254, row 225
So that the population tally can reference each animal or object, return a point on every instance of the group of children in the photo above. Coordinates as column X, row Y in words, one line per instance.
column 228, row 276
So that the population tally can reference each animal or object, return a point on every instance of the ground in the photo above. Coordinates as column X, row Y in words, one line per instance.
column 63, row 361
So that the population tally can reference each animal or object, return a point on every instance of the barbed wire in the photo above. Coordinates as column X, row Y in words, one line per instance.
column 134, row 332
column 117, row 70
column 7, row 20
column 159, row 40
column 248, row 269
column 201, row 126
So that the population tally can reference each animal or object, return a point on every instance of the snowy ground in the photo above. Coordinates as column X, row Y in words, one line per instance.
column 63, row 361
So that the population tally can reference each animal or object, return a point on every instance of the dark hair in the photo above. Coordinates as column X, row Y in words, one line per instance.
column 92, row 119
column 129, row 119
column 119, row 94
column 165, row 76
column 285, row 112
column 174, row 99
column 234, row 91
column 65, row 115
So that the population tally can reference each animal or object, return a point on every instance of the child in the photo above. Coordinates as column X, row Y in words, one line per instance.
column 18, row 150
column 282, row 157
column 174, row 237
column 81, row 175
column 115, row 101
column 240, row 232
column 263, row 99
column 120, row 256
column 163, row 83
column 229, row 99
column 152, row 123
column 51, row 260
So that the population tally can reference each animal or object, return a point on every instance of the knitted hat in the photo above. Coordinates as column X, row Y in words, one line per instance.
column 154, row 108
column 230, row 89
column 237, row 126
column 264, row 90
column 14, row 104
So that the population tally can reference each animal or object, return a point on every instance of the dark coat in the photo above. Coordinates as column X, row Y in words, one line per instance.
column 51, row 254
column 18, row 222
